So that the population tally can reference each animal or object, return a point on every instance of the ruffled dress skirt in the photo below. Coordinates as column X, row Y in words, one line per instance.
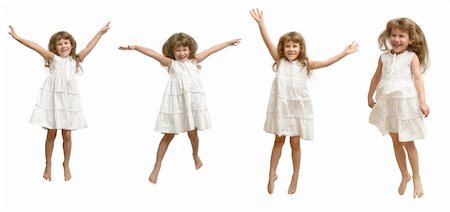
column 290, row 108
column 183, row 107
column 59, row 104
column 397, row 110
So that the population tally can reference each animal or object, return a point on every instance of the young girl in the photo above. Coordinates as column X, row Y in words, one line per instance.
column 289, row 111
column 400, row 94
column 183, row 107
column 59, row 105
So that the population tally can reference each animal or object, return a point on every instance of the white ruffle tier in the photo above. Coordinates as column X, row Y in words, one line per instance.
column 397, row 110
column 59, row 104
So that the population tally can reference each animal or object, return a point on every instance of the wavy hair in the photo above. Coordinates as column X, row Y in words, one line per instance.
column 179, row 39
column 295, row 37
column 418, row 45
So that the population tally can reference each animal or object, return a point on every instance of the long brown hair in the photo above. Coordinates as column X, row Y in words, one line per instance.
column 419, row 43
column 295, row 37
column 64, row 35
column 179, row 39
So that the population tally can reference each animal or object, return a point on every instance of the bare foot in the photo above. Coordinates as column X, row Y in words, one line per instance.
column 402, row 186
column 418, row 190
column 154, row 175
column 293, row 185
column 48, row 172
column 67, row 174
column 198, row 162
column 271, row 184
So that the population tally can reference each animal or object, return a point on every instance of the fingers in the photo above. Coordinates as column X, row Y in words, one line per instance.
column 126, row 47
column 426, row 113
column 255, row 13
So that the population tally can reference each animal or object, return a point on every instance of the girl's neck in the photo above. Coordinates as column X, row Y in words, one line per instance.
column 397, row 53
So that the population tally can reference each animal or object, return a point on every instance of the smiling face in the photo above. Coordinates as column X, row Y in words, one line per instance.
column 63, row 47
column 400, row 40
column 181, row 53
column 63, row 44
column 291, row 50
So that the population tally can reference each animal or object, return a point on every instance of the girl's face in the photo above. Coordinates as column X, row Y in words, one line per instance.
column 181, row 53
column 291, row 50
column 63, row 47
column 399, row 40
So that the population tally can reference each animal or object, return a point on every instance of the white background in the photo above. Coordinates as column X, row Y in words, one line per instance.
column 348, row 167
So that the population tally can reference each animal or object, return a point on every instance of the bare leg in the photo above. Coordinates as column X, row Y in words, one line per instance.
column 296, row 155
column 67, row 147
column 193, row 136
column 414, row 162
column 401, row 161
column 274, row 158
column 162, row 148
column 49, row 143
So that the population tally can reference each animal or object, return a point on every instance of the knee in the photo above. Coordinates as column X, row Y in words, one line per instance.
column 192, row 135
column 279, row 141
column 409, row 146
column 295, row 145
column 51, row 135
column 168, row 137
column 67, row 136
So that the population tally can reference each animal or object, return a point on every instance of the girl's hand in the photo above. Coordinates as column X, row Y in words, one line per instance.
column 132, row 47
column 105, row 28
column 13, row 32
column 371, row 102
column 353, row 47
column 424, row 109
column 234, row 42
column 257, row 15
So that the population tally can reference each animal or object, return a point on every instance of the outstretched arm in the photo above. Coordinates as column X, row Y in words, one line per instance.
column 353, row 47
column 418, row 82
column 204, row 54
column 258, row 16
column 48, row 55
column 165, row 61
column 93, row 42
column 374, row 83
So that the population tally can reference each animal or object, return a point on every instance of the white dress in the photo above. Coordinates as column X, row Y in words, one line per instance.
column 59, row 105
column 397, row 107
column 290, row 110
column 183, row 107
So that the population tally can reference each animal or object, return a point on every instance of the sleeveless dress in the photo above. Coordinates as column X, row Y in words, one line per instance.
column 290, row 110
column 59, row 105
column 183, row 107
column 397, row 107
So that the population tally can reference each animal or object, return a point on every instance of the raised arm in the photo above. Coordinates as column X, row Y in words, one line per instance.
column 83, row 53
column 418, row 82
column 165, row 61
column 353, row 47
column 204, row 54
column 258, row 16
column 48, row 55
column 374, row 83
